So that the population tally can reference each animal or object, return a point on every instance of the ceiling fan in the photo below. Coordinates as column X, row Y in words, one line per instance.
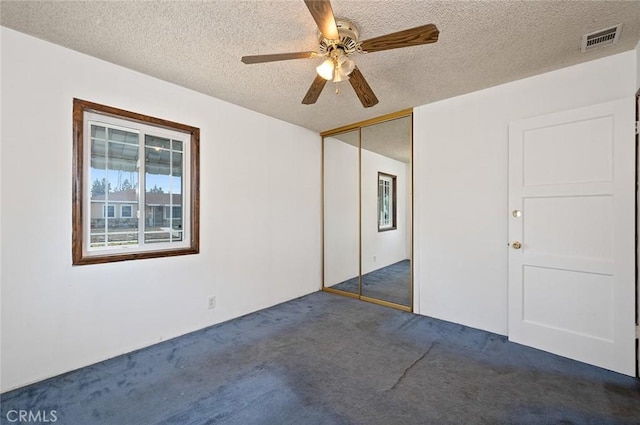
column 338, row 40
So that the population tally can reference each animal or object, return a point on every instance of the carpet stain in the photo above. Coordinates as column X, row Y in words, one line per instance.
column 411, row 366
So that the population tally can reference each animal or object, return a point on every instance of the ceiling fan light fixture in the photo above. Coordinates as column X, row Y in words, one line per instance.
column 326, row 70
column 346, row 65
column 339, row 76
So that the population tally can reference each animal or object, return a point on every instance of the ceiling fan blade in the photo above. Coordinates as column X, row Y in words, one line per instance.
column 323, row 15
column 277, row 57
column 412, row 37
column 362, row 88
column 314, row 90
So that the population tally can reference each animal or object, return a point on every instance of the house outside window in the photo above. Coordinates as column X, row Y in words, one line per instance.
column 387, row 217
column 144, row 165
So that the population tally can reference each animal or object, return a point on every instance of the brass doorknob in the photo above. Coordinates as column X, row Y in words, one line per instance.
column 516, row 245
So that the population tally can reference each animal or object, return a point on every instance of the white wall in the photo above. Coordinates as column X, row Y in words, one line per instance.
column 460, row 185
column 260, row 218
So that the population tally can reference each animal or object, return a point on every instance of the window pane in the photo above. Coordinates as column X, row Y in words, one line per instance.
column 98, row 222
column 98, row 132
column 163, row 190
column 97, row 240
column 123, row 136
column 176, row 169
column 157, row 237
column 176, row 184
column 177, row 145
column 98, row 148
column 157, row 162
column 97, row 177
column 176, row 220
column 177, row 212
column 122, row 239
column 157, row 192
column 123, row 157
column 158, row 142
column 114, row 177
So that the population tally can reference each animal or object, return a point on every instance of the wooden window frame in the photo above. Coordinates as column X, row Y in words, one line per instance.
column 80, row 255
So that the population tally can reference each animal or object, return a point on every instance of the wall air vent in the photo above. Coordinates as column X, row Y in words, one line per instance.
column 604, row 37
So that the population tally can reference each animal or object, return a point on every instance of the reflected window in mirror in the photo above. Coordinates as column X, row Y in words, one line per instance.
column 387, row 216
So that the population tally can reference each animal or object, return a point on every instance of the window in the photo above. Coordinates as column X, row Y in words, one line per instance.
column 174, row 211
column 147, row 166
column 108, row 211
column 386, row 202
column 126, row 211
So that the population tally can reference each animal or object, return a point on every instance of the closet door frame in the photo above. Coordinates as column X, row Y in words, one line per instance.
column 358, row 126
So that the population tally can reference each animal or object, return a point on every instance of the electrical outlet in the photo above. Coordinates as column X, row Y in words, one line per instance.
column 374, row 258
column 211, row 302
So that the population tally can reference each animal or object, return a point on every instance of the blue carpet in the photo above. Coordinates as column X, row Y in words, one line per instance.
column 326, row 359
column 391, row 283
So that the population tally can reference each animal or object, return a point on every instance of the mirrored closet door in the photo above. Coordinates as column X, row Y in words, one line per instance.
column 367, row 219
column 341, row 211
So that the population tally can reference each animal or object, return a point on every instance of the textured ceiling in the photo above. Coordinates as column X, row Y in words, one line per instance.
column 198, row 45
column 390, row 138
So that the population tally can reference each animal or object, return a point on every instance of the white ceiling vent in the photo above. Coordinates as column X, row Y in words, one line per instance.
column 599, row 38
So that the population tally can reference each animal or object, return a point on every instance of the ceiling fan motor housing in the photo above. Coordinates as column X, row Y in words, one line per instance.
column 348, row 41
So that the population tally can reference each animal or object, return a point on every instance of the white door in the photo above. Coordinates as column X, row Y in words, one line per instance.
column 572, row 234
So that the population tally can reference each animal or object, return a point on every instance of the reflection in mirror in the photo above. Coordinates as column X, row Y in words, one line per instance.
column 341, row 212
column 386, row 211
